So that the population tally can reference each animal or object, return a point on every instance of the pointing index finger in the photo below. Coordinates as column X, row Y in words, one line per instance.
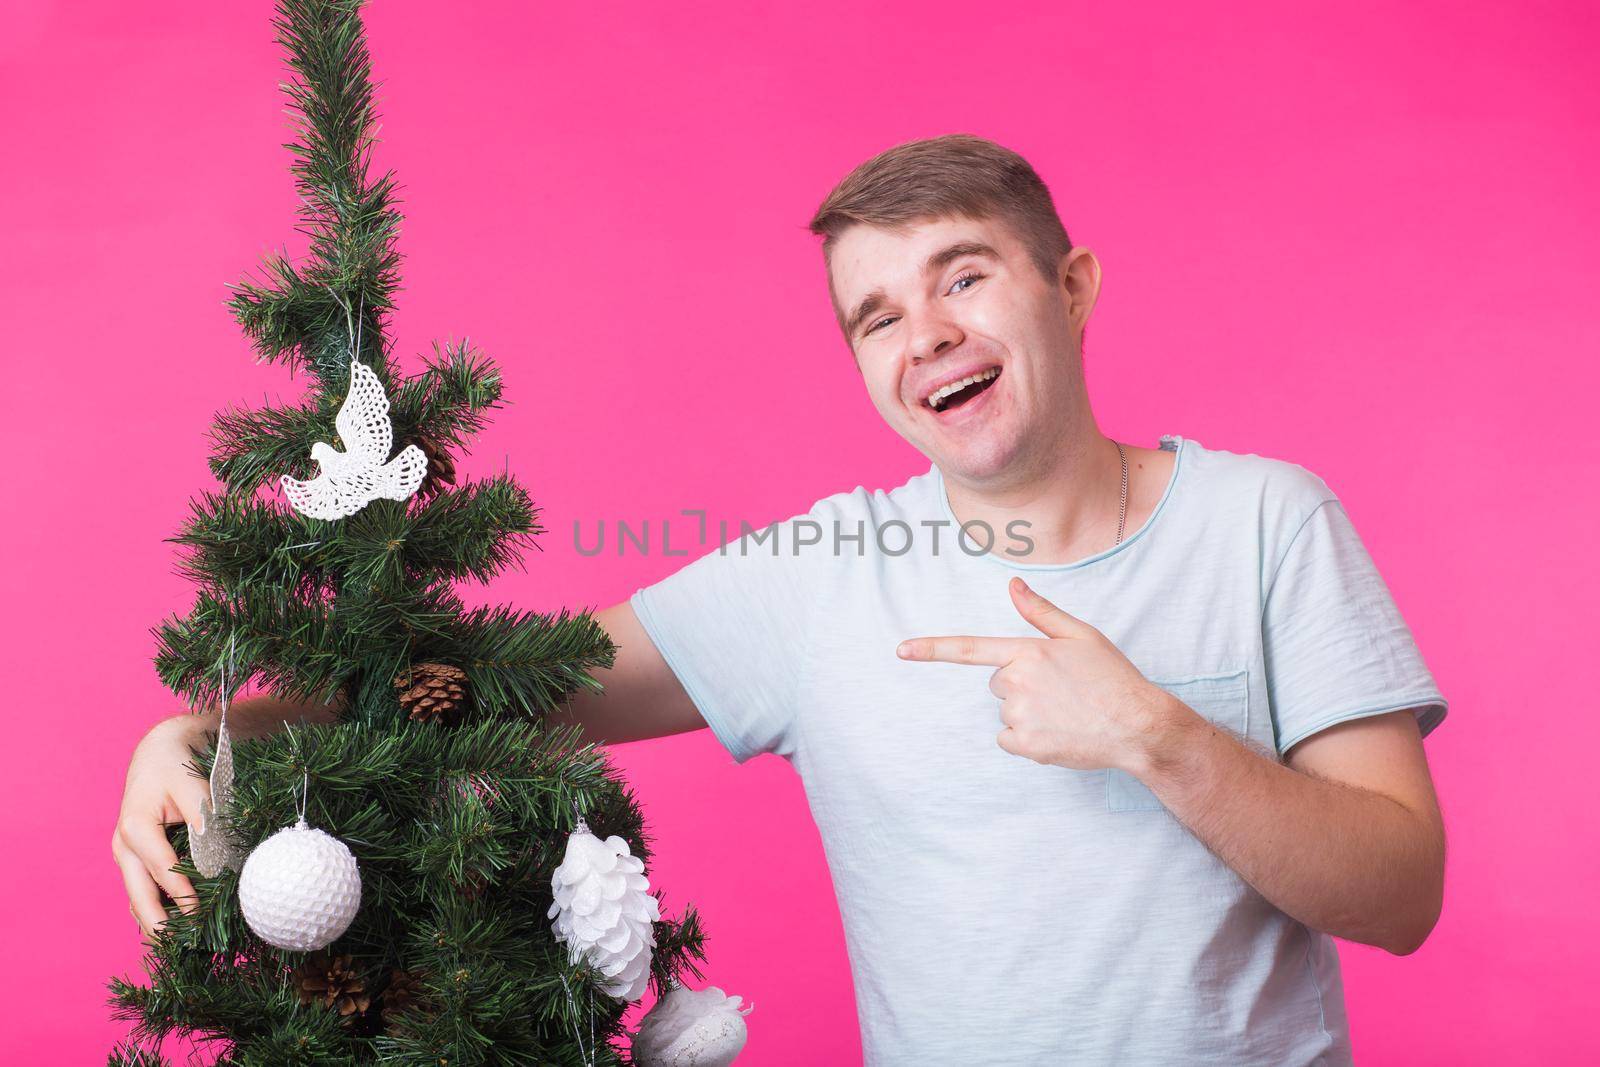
column 989, row 651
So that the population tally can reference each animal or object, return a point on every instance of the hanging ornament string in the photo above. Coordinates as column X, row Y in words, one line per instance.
column 353, row 321
column 577, row 1035
column 301, row 805
column 224, row 690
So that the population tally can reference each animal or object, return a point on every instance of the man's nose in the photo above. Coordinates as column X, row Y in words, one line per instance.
column 932, row 336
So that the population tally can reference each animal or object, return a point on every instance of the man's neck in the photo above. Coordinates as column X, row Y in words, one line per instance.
column 1070, row 503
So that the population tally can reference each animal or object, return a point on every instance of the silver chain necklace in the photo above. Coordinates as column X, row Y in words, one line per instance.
column 1122, row 504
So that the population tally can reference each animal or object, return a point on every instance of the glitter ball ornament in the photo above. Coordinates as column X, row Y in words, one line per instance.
column 300, row 888
column 603, row 910
column 691, row 1028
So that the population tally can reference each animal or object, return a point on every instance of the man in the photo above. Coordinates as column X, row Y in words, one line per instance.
column 1102, row 741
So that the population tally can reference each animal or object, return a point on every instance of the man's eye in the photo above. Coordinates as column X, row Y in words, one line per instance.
column 969, row 276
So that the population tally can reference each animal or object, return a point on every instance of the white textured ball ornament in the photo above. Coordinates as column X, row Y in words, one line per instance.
column 691, row 1028
column 300, row 888
column 603, row 910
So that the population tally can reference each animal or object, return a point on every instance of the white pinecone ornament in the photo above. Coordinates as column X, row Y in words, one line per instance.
column 691, row 1028
column 300, row 889
column 603, row 910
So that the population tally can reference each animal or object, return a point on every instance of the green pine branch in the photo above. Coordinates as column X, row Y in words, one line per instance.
column 129, row 1054
column 528, row 663
column 472, row 533
column 315, row 316
column 450, row 399
column 296, row 648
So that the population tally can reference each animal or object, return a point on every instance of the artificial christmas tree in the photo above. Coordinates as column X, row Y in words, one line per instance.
column 326, row 565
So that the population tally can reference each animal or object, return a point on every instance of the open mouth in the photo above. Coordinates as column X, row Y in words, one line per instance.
column 957, row 393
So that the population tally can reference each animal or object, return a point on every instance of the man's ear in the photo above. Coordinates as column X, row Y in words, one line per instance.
column 1080, row 279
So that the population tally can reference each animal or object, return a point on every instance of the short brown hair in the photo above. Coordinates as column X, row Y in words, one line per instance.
column 937, row 177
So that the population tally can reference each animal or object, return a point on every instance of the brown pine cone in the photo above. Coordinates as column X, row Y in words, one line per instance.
column 333, row 982
column 432, row 692
column 441, row 467
column 402, row 993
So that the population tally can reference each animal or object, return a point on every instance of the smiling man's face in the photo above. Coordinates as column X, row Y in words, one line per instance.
column 966, row 350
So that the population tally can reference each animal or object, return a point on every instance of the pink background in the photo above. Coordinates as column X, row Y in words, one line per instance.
column 1362, row 240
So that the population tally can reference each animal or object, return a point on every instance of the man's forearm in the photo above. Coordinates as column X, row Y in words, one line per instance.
column 258, row 716
column 1348, row 861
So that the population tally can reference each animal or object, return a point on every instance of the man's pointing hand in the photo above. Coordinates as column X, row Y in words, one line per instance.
column 1069, row 698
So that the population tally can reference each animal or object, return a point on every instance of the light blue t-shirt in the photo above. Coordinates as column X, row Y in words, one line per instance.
column 996, row 910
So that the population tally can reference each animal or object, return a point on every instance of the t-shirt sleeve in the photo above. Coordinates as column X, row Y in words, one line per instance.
column 1336, row 646
column 732, row 626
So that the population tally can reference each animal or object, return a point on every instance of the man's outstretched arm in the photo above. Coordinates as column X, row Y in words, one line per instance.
column 642, row 698
column 1346, row 837
column 161, row 790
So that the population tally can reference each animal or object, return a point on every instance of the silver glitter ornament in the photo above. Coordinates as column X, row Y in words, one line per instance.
column 209, row 844
column 691, row 1028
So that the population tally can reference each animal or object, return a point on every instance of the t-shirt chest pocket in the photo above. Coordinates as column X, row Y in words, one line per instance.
column 1221, row 698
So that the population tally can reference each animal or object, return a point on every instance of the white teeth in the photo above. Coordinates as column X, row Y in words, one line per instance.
column 938, row 396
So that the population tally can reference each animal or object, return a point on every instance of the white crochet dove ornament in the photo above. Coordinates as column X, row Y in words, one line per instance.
column 691, row 1028
column 300, row 888
column 603, row 910
column 354, row 478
